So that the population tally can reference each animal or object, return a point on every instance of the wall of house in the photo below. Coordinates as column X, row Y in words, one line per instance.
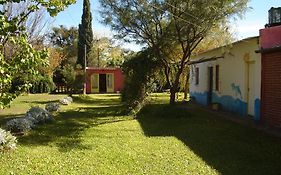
column 118, row 77
column 271, row 79
column 235, row 77
column 270, row 37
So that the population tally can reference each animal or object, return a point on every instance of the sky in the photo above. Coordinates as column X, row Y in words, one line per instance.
column 254, row 19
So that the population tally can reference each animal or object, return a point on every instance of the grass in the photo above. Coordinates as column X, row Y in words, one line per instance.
column 93, row 136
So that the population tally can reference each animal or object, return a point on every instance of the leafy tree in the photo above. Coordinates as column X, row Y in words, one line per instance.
column 85, row 34
column 106, row 54
column 23, row 59
column 36, row 24
column 167, row 26
column 64, row 41
column 139, row 70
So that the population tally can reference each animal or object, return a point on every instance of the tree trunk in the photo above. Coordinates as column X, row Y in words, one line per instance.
column 172, row 95
column 186, row 86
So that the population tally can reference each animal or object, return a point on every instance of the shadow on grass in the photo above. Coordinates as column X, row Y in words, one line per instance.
column 66, row 132
column 97, row 101
column 5, row 118
column 41, row 102
column 228, row 147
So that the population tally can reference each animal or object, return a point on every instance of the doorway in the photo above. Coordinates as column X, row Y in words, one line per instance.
column 211, row 84
column 102, row 83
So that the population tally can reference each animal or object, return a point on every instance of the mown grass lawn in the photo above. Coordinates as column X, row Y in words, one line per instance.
column 93, row 136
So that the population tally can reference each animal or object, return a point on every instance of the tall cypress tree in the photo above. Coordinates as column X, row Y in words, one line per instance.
column 85, row 33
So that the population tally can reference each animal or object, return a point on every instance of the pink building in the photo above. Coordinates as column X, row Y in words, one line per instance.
column 104, row 80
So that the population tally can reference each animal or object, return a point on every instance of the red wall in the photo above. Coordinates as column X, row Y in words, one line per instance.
column 271, row 89
column 271, row 76
column 270, row 37
column 118, row 77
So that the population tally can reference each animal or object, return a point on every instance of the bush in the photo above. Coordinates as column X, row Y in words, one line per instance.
column 52, row 107
column 34, row 116
column 66, row 100
column 139, row 71
column 19, row 125
column 40, row 115
column 7, row 141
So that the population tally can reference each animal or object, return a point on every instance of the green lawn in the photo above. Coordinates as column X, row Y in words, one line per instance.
column 92, row 136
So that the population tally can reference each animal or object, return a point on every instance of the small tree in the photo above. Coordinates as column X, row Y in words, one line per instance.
column 139, row 70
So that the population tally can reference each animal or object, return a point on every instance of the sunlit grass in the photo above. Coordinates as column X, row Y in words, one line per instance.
column 94, row 136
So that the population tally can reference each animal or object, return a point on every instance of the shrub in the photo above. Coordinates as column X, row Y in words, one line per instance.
column 66, row 100
column 7, row 141
column 52, row 107
column 139, row 71
column 40, row 115
column 19, row 125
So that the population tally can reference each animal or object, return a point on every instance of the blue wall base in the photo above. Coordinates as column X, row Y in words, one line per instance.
column 227, row 103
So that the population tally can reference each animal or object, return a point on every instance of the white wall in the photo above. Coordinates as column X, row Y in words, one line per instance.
column 233, row 76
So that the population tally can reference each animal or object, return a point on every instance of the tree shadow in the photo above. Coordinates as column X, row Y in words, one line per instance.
column 96, row 101
column 5, row 118
column 41, row 102
column 228, row 147
column 66, row 132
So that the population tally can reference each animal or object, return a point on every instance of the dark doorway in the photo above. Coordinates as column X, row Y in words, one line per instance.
column 102, row 83
column 210, row 90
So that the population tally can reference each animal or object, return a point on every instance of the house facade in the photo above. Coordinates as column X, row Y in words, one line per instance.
column 104, row 80
column 229, row 76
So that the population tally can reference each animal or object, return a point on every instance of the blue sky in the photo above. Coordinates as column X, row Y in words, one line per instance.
column 254, row 19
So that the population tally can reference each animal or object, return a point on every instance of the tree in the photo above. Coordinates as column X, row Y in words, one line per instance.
column 65, row 41
column 23, row 59
column 139, row 70
column 169, row 26
column 85, row 34
column 35, row 24
column 105, row 53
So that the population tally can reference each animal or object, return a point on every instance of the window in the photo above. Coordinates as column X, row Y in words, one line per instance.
column 197, row 76
column 217, row 77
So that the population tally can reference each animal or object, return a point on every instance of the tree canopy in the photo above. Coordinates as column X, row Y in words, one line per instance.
column 171, row 28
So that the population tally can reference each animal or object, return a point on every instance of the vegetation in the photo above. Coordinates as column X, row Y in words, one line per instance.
column 7, row 141
column 85, row 34
column 171, row 28
column 92, row 136
column 140, row 71
column 17, row 56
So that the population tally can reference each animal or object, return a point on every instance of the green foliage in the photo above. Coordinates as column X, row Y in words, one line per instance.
column 85, row 34
column 73, row 78
column 23, row 59
column 139, row 71
column 65, row 40
column 106, row 54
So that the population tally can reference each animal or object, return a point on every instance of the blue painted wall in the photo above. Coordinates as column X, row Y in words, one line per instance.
column 231, row 104
column 228, row 103
column 257, row 109
column 201, row 98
